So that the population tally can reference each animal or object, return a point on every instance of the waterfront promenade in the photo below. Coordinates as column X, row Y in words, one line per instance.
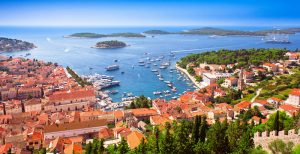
column 196, row 83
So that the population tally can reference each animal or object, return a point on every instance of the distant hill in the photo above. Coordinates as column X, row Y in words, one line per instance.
column 110, row 44
column 95, row 35
column 7, row 45
column 227, row 32
column 156, row 32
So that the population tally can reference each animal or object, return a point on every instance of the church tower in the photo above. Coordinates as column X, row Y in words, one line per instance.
column 241, row 83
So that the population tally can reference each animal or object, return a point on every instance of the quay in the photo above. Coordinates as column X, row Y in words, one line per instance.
column 198, row 85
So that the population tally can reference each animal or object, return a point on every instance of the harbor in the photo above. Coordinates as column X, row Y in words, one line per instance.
column 143, row 78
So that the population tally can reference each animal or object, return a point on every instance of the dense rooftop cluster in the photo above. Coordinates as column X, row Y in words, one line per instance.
column 44, row 109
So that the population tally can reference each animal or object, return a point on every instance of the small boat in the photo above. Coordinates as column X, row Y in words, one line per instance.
column 116, row 60
column 147, row 66
column 174, row 97
column 165, row 64
column 154, row 70
column 90, row 68
column 173, row 89
column 141, row 64
column 156, row 92
column 171, row 71
column 170, row 85
column 168, row 82
column 167, row 92
column 122, row 72
column 161, row 79
column 162, row 67
column 114, row 92
column 141, row 61
column 155, row 64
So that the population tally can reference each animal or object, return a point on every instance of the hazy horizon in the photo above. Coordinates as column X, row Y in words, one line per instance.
column 116, row 13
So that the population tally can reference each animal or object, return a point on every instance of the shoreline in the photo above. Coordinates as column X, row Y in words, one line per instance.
column 189, row 76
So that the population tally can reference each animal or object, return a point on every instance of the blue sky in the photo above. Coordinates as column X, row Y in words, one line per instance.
column 149, row 12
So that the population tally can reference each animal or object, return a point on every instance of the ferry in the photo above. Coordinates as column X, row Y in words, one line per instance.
column 108, row 84
column 112, row 67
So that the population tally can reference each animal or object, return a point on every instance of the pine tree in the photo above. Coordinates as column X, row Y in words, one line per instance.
column 276, row 123
column 182, row 139
column 88, row 148
column 142, row 148
column 101, row 148
column 123, row 147
column 167, row 144
column 200, row 148
column 156, row 133
column 217, row 140
column 196, row 129
column 203, row 129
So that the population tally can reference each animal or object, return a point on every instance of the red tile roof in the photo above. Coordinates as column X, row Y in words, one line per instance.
column 288, row 107
column 243, row 105
column 71, row 95
column 295, row 92
column 134, row 139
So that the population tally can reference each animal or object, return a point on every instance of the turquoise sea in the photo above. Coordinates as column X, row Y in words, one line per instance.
column 78, row 54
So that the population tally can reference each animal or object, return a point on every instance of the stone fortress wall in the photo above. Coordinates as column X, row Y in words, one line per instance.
column 265, row 138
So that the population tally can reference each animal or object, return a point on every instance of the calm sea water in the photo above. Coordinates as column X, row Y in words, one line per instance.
column 78, row 54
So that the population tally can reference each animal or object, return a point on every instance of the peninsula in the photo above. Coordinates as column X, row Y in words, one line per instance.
column 8, row 45
column 96, row 35
column 110, row 44
column 227, row 32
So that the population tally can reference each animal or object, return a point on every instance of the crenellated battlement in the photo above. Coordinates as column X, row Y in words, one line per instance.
column 264, row 138
column 282, row 133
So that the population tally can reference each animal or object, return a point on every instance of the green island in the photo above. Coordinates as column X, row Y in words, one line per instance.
column 96, row 35
column 110, row 44
column 156, row 32
column 8, row 45
column 227, row 32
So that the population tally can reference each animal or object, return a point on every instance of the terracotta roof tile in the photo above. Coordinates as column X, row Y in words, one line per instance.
column 134, row 139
